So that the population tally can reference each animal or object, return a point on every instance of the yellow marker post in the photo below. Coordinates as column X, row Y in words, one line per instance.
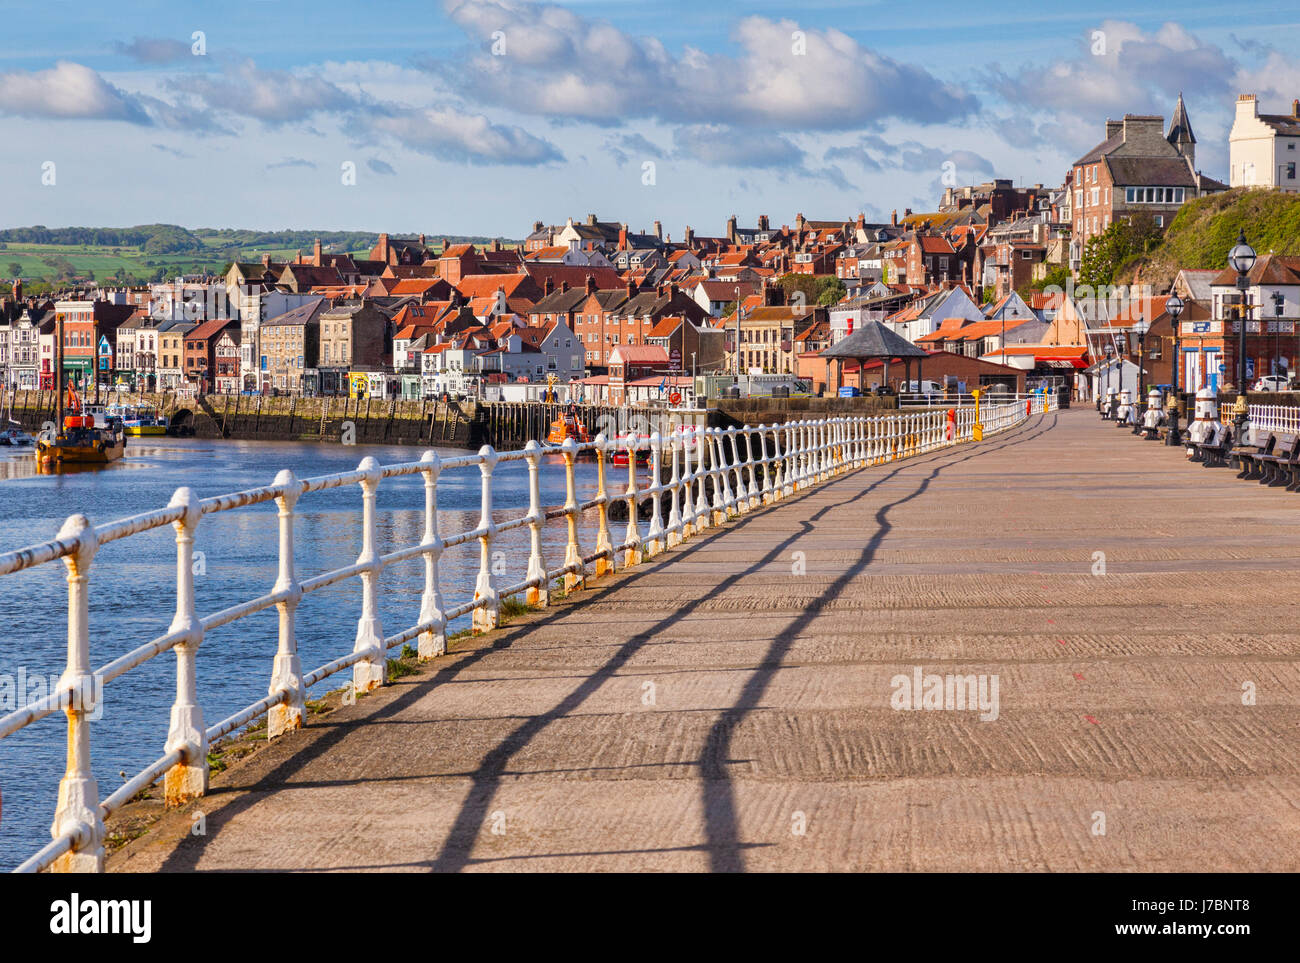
column 977, row 430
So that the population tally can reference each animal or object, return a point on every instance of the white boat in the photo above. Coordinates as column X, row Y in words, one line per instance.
column 14, row 435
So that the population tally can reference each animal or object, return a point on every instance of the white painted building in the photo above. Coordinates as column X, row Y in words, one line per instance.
column 1264, row 149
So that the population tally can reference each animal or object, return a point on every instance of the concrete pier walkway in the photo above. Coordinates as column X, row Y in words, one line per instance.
column 727, row 706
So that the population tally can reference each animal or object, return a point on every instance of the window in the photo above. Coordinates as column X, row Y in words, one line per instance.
column 1078, row 197
column 1160, row 220
column 1290, row 171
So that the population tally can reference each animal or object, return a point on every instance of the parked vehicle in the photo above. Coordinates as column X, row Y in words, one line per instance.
column 1272, row 383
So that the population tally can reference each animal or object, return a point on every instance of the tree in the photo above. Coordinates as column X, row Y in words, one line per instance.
column 830, row 290
column 15, row 269
column 1125, row 239
column 793, row 284
column 1057, row 275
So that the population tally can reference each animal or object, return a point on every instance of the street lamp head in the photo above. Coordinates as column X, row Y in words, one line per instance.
column 1141, row 326
column 1242, row 256
column 1174, row 306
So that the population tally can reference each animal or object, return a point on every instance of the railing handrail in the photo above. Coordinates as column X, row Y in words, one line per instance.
column 745, row 467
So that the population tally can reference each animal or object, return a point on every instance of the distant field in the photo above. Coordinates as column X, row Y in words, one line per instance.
column 154, row 252
column 105, row 262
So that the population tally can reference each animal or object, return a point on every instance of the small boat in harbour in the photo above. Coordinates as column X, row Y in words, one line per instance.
column 140, row 419
column 87, row 436
column 14, row 435
column 567, row 426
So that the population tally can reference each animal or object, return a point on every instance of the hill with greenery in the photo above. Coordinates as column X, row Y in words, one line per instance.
column 1206, row 229
column 52, row 258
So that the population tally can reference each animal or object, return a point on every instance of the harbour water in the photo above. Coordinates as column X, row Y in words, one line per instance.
column 133, row 587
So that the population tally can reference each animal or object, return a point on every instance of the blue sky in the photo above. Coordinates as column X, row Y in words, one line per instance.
column 481, row 116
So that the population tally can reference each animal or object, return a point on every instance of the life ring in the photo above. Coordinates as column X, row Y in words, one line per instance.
column 100, row 447
column 675, row 398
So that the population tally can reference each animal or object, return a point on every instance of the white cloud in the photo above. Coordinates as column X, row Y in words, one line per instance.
column 154, row 50
column 454, row 135
column 67, row 91
column 555, row 62
column 271, row 96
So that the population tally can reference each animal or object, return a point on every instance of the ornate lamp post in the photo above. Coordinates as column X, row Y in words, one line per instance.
column 1174, row 308
column 1241, row 259
column 1279, row 305
column 1140, row 328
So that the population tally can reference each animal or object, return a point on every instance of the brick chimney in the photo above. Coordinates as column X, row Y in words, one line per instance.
column 591, row 284
column 297, row 258
column 1295, row 109
column 496, row 244
column 861, row 222
column 631, row 288
column 893, row 217
column 316, row 253
column 266, row 260
column 622, row 238
column 423, row 243
column 731, row 229
column 798, row 223
column 537, row 226
column 383, row 248
column 763, row 222
column 688, row 238
column 591, row 220
column 672, row 289
column 659, row 230
column 1113, row 127
column 548, row 286
column 564, row 285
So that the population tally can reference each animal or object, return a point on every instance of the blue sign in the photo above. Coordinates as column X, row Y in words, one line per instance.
column 1200, row 327
column 849, row 391
column 1223, row 368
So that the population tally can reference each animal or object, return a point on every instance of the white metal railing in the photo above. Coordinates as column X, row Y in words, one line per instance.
column 938, row 399
column 698, row 478
column 1274, row 418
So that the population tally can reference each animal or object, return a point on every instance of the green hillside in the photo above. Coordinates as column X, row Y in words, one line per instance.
column 1206, row 229
column 50, row 258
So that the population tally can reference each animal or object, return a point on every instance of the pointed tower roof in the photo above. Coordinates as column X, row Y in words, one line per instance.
column 1180, row 128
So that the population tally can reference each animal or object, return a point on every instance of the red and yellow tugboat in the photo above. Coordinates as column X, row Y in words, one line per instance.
column 78, row 438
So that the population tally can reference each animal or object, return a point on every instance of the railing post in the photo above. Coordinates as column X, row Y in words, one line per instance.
column 655, row 533
column 632, row 538
column 188, row 779
column 755, row 492
column 540, row 592
column 605, row 563
column 789, row 453
column 722, row 500
column 766, row 497
column 778, row 464
column 741, row 503
column 433, row 641
column 286, row 672
column 486, row 616
column 78, row 806
column 702, row 454
column 687, row 441
column 676, row 529
column 372, row 671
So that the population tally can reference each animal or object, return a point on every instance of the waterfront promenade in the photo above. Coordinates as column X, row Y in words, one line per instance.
column 727, row 705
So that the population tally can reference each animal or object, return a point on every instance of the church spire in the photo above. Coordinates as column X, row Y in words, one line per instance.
column 1180, row 133
column 1180, row 128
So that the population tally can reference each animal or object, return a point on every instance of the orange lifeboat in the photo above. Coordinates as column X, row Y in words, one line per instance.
column 568, row 426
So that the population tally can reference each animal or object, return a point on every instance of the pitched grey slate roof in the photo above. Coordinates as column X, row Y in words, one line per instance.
column 874, row 340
